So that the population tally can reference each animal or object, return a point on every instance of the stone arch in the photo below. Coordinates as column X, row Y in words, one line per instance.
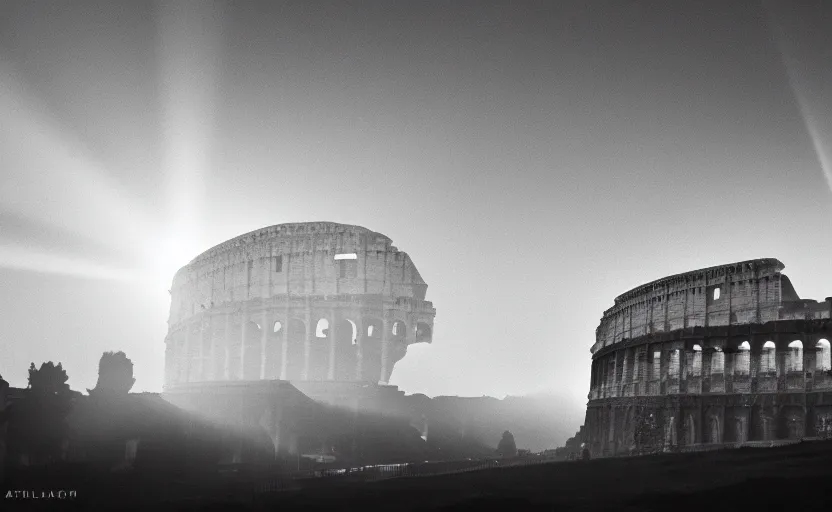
column 319, row 351
column 791, row 424
column 823, row 359
column 742, row 359
column 322, row 328
column 346, row 351
column 235, row 345
column 674, row 364
column 207, row 341
column 690, row 429
column 794, row 361
column 821, row 421
column 274, row 349
column 696, row 362
column 717, row 361
column 296, row 349
column 252, row 352
column 219, row 357
column 714, row 430
column 371, row 349
column 399, row 330
column 768, row 358
column 423, row 332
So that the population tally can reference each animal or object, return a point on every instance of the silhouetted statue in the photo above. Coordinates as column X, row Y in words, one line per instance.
column 507, row 447
column 115, row 375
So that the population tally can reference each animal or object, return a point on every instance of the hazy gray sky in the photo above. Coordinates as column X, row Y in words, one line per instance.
column 535, row 159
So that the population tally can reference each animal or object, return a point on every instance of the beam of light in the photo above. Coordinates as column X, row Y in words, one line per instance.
column 791, row 66
column 17, row 257
column 48, row 175
column 189, row 51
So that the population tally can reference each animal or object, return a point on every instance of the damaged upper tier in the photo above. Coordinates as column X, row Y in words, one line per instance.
column 748, row 292
column 301, row 259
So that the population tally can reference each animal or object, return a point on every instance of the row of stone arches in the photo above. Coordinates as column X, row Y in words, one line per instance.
column 636, row 428
column 344, row 350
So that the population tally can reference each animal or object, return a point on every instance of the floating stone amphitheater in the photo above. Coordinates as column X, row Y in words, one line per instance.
column 307, row 302
column 728, row 355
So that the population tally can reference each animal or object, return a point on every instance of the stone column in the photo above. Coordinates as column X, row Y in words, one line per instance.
column 201, row 372
column 227, row 348
column 385, row 348
column 187, row 351
column 284, row 346
column 754, row 367
column 307, row 343
column 264, row 333
column 284, row 342
column 243, row 335
column 214, row 374
column 332, row 338
column 359, row 340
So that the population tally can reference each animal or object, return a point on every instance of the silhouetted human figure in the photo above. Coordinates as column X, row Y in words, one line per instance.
column 585, row 454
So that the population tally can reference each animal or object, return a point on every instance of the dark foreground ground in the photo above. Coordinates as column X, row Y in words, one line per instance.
column 797, row 477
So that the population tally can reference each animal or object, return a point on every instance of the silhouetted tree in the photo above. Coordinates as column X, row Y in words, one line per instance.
column 507, row 447
column 115, row 375
column 37, row 423
column 49, row 380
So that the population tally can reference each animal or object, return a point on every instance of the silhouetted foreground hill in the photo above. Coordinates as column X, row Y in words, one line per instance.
column 789, row 478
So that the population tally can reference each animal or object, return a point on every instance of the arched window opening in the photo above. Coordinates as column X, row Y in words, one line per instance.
column 370, row 330
column 696, row 365
column 795, row 362
column 277, row 327
column 354, row 332
column 717, row 362
column 657, row 365
column 423, row 332
column 742, row 364
column 673, row 369
column 399, row 330
column 322, row 329
column 717, row 293
column 768, row 361
column 824, row 355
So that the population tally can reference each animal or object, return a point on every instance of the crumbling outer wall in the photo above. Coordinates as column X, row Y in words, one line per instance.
column 750, row 292
column 295, row 259
column 249, row 309
column 703, row 374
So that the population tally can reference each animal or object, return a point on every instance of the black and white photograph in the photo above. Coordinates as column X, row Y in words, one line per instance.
column 415, row 255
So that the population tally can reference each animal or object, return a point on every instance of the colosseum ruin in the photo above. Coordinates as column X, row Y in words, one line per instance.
column 308, row 302
column 723, row 356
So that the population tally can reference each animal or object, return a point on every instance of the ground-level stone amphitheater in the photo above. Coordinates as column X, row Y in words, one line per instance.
column 300, row 302
column 720, row 356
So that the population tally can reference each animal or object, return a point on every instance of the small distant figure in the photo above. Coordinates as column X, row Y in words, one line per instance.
column 585, row 454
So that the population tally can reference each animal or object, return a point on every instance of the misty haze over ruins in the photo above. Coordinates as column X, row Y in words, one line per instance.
column 252, row 250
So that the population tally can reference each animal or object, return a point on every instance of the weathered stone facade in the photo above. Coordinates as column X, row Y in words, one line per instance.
column 728, row 354
column 301, row 302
